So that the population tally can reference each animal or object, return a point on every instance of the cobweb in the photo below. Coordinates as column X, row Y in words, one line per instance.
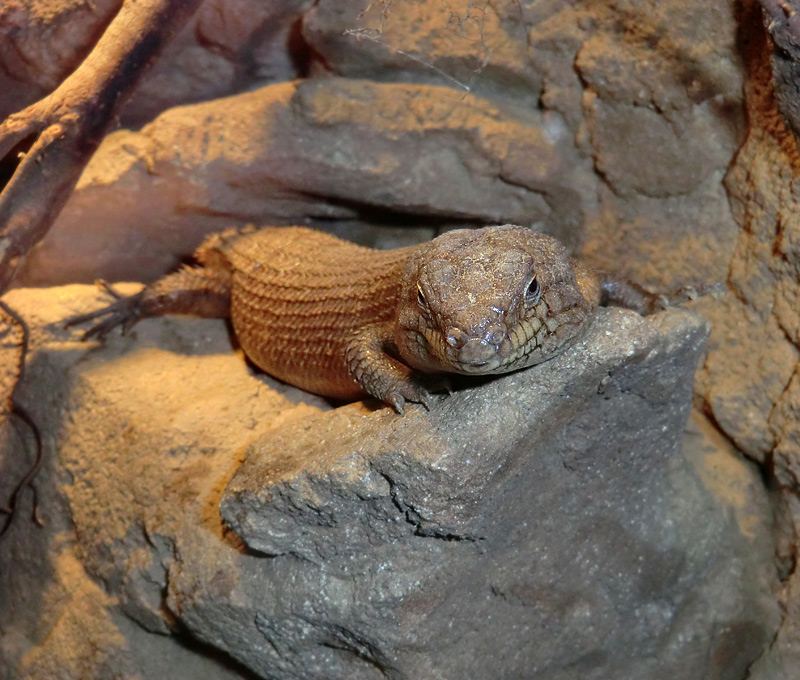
column 467, row 22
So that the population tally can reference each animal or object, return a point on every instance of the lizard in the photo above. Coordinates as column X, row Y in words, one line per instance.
column 346, row 321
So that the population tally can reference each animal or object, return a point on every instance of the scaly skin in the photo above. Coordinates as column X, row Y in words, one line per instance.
column 343, row 321
column 490, row 301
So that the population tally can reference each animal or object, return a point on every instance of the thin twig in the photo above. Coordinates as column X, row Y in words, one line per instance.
column 15, row 410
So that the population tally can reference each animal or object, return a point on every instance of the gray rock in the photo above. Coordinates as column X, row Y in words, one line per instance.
column 457, row 44
column 543, row 524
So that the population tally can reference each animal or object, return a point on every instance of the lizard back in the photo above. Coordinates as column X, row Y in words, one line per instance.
column 297, row 296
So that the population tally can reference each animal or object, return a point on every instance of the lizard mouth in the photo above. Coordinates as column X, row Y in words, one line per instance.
column 488, row 358
column 479, row 367
column 479, row 356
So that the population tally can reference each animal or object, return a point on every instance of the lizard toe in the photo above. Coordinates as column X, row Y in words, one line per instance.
column 397, row 402
column 123, row 312
column 414, row 392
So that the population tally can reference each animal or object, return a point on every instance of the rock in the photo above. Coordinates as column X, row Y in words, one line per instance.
column 625, row 89
column 582, row 75
column 747, row 375
column 328, row 148
column 526, row 52
column 566, row 69
column 457, row 44
column 619, row 132
column 759, row 410
column 227, row 47
column 78, row 597
column 544, row 522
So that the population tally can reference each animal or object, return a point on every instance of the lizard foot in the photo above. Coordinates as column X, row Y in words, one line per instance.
column 400, row 394
column 124, row 312
column 687, row 293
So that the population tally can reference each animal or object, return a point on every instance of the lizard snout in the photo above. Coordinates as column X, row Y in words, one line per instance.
column 477, row 352
column 477, row 349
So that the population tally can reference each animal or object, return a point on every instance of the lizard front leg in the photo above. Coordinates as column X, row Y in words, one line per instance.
column 378, row 373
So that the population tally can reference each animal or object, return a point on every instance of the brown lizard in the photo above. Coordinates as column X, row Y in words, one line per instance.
column 346, row 321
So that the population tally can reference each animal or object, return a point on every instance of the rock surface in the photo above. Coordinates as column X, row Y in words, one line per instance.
column 324, row 148
column 753, row 383
column 543, row 523
column 42, row 42
column 567, row 72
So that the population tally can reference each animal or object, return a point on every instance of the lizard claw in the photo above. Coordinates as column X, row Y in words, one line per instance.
column 123, row 312
column 397, row 402
column 406, row 392
column 108, row 288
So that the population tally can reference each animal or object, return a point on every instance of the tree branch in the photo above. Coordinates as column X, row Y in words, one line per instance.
column 70, row 123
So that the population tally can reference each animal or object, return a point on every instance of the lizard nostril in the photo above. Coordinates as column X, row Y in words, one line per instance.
column 456, row 337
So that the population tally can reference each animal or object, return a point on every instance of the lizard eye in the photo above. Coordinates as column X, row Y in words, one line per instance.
column 421, row 297
column 534, row 291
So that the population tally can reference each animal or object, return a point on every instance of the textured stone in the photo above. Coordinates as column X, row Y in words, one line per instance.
column 661, row 117
column 677, row 56
column 460, row 44
column 620, row 132
column 626, row 89
column 544, row 522
column 746, row 375
column 760, row 412
column 78, row 596
column 590, row 73
column 229, row 46
column 327, row 148
column 678, row 72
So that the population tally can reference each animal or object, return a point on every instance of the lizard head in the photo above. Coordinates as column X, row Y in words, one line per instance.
column 488, row 300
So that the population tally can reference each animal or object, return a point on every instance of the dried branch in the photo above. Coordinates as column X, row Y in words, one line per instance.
column 69, row 124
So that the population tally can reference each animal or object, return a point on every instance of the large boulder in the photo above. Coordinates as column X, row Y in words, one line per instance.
column 542, row 524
